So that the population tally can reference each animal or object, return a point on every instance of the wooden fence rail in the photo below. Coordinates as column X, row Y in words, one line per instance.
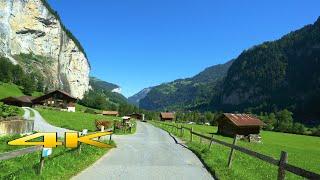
column 19, row 152
column 282, row 163
column 24, row 151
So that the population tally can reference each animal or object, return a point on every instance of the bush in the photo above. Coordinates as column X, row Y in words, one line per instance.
column 298, row 128
column 316, row 131
column 8, row 111
column 90, row 111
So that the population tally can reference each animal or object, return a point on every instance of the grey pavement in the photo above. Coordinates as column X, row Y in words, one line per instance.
column 149, row 154
column 26, row 115
column 41, row 125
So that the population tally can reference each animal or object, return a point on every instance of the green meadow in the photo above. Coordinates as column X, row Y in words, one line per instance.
column 303, row 151
column 7, row 89
column 73, row 120
column 76, row 120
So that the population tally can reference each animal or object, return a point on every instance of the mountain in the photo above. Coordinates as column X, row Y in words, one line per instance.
column 282, row 74
column 135, row 99
column 33, row 36
column 100, row 84
column 275, row 75
column 186, row 93
column 108, row 90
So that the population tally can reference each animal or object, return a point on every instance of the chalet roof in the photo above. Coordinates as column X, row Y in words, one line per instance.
column 53, row 92
column 134, row 114
column 25, row 99
column 167, row 115
column 110, row 112
column 244, row 119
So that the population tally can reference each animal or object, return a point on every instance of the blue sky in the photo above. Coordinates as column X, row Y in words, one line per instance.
column 142, row 43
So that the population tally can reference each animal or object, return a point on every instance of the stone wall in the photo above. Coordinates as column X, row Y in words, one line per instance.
column 15, row 126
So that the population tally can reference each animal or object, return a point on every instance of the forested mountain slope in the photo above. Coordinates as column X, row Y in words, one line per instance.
column 186, row 93
column 276, row 75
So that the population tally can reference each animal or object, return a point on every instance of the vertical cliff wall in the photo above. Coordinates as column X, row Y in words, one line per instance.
column 29, row 27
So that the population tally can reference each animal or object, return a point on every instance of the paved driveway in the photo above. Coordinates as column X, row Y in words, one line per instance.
column 41, row 125
column 148, row 154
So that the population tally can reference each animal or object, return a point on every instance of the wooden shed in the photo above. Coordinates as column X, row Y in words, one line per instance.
column 241, row 124
column 110, row 113
column 167, row 116
column 22, row 101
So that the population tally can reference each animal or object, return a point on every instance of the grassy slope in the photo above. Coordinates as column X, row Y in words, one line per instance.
column 76, row 121
column 9, row 90
column 81, row 108
column 303, row 151
column 62, row 164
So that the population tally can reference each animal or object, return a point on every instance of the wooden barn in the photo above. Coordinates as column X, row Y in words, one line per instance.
column 22, row 101
column 240, row 124
column 167, row 116
column 110, row 113
column 58, row 99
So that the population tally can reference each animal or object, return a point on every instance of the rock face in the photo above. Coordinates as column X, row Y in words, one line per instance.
column 29, row 27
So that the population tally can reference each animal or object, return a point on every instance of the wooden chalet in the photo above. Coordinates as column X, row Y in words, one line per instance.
column 110, row 113
column 136, row 116
column 58, row 99
column 239, row 124
column 167, row 116
column 22, row 101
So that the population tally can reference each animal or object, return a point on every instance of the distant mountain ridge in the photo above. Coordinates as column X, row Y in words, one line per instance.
column 135, row 99
column 186, row 93
column 98, row 83
column 282, row 74
column 108, row 89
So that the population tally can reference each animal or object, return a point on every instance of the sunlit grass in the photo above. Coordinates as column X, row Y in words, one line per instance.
column 303, row 151
column 62, row 164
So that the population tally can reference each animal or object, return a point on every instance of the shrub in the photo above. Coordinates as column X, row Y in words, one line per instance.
column 8, row 111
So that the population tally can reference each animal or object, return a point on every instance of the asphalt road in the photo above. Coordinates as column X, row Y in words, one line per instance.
column 149, row 154
column 41, row 125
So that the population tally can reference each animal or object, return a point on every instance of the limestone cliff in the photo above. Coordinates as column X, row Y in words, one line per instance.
column 30, row 27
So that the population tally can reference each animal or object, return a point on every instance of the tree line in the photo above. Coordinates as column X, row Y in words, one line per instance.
column 281, row 121
column 28, row 82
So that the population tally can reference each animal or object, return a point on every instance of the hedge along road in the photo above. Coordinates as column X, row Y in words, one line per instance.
column 150, row 153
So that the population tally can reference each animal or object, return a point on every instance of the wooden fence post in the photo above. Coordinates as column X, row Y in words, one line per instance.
column 110, row 138
column 41, row 163
column 79, row 148
column 181, row 130
column 211, row 141
column 191, row 130
column 231, row 152
column 282, row 162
